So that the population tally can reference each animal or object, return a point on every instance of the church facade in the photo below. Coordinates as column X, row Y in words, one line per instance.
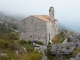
column 39, row 27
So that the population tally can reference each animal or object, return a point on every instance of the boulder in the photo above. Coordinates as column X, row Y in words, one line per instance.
column 43, row 48
column 77, row 57
column 3, row 56
column 53, row 49
column 62, row 48
column 72, row 59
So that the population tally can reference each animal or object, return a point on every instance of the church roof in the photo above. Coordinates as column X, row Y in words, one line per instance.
column 42, row 17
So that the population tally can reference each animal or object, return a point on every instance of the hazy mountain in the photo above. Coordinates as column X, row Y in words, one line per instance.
column 61, row 26
column 7, row 23
column 6, row 19
column 75, row 26
column 18, row 17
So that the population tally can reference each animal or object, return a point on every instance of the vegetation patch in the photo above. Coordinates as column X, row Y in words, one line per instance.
column 35, row 55
column 67, row 56
column 76, row 50
column 9, row 43
column 40, row 43
column 59, row 38
column 4, row 29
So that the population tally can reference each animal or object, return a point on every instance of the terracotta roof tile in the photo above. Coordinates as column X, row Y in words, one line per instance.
column 42, row 17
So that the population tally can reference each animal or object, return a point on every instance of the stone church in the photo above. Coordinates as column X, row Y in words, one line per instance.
column 39, row 27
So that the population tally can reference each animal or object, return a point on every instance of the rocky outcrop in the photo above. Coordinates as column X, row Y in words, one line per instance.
column 6, row 19
column 62, row 48
column 7, row 23
column 3, row 56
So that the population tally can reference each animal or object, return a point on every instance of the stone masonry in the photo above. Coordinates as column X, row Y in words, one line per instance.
column 39, row 27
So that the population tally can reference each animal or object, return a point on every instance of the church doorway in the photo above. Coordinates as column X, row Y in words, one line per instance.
column 49, row 36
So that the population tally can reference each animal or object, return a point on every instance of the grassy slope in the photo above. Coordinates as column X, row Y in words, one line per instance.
column 9, row 43
column 59, row 38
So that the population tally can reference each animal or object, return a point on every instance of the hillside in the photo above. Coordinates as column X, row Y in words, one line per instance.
column 6, row 19
column 11, row 48
column 61, row 26
column 7, row 24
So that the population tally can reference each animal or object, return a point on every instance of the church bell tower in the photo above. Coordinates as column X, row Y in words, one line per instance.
column 51, row 13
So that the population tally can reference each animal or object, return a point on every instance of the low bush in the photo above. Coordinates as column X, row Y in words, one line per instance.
column 35, row 55
column 40, row 43
column 11, row 56
column 29, row 48
column 67, row 56
column 76, row 50
column 47, row 53
column 22, row 42
column 13, row 36
column 3, row 44
column 13, row 46
column 59, row 38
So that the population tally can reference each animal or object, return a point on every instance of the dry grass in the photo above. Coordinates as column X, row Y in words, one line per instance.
column 59, row 38
column 34, row 55
column 13, row 45
column 76, row 50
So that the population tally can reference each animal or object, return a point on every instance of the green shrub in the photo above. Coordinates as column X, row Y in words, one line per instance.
column 47, row 53
column 62, row 41
column 22, row 42
column 35, row 55
column 40, row 43
column 29, row 48
column 13, row 36
column 11, row 56
column 67, row 56
column 29, row 42
column 59, row 38
column 3, row 44
column 14, row 26
column 76, row 50
column 4, row 29
column 13, row 46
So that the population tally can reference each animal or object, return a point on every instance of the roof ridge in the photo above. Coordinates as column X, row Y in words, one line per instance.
column 42, row 17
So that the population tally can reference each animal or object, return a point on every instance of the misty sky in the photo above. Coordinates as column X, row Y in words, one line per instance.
column 66, row 11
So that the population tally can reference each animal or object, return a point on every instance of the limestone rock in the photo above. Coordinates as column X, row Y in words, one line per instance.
column 3, row 56
column 62, row 48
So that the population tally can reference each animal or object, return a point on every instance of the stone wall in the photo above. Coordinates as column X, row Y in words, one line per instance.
column 40, row 30
column 32, row 27
column 48, row 26
column 54, row 28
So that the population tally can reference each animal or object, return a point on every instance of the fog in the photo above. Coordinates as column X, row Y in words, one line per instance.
column 66, row 11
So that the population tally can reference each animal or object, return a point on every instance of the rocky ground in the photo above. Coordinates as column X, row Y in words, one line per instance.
column 69, row 49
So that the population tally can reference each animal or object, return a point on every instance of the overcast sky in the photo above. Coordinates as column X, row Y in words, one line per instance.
column 65, row 10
